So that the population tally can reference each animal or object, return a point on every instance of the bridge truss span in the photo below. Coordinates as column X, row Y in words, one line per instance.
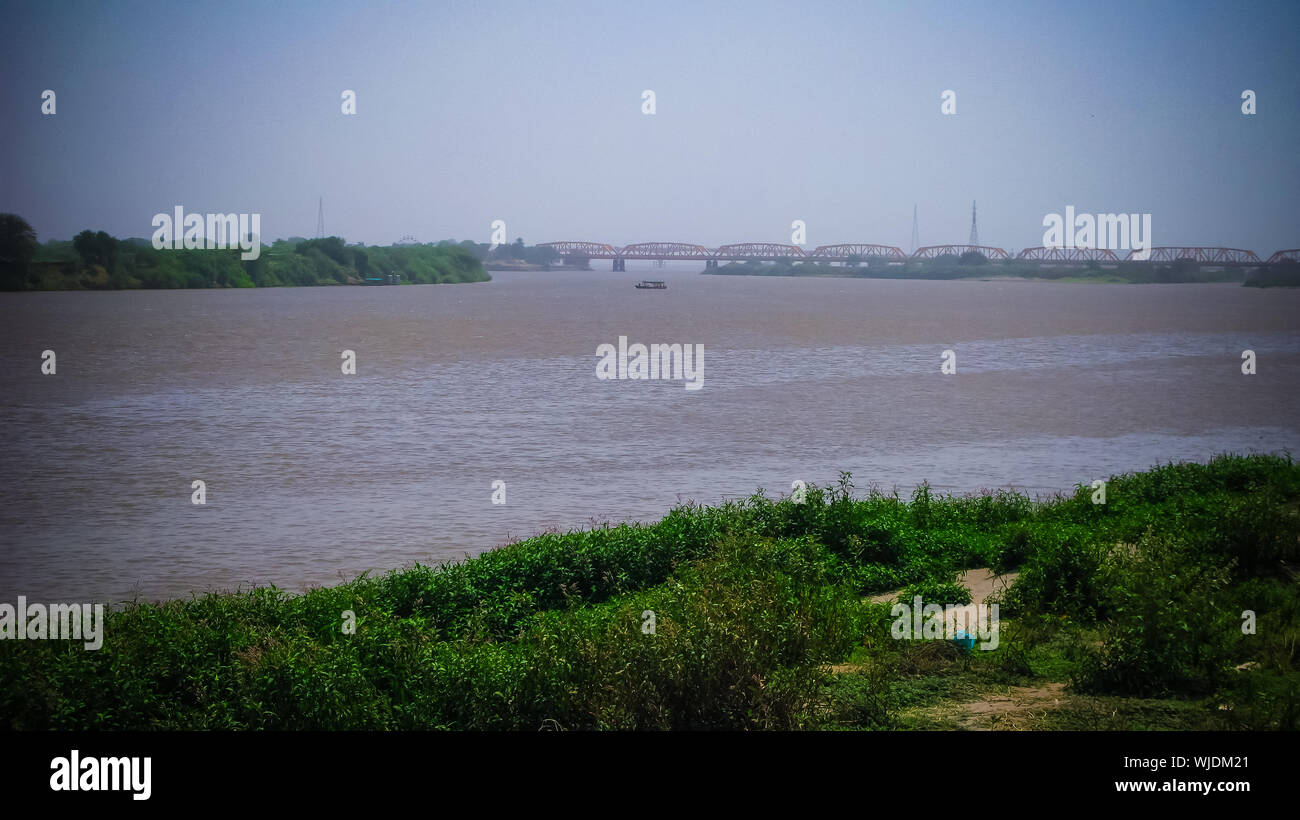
column 1203, row 256
column 1068, row 255
column 665, row 250
column 772, row 251
column 844, row 252
column 591, row 250
column 758, row 250
column 936, row 251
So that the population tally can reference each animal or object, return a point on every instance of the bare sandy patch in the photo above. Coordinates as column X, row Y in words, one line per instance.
column 983, row 583
column 1016, row 709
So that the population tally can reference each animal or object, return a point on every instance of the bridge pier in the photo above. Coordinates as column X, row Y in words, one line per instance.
column 710, row 263
column 619, row 264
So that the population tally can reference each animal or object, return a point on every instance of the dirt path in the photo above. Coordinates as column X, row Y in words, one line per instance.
column 1017, row 709
column 982, row 583
column 1014, row 708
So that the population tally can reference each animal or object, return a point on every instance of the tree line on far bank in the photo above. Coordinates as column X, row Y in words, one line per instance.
column 94, row 260
column 515, row 251
column 975, row 264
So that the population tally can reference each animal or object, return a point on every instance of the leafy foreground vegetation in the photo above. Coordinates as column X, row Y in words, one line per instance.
column 1126, row 614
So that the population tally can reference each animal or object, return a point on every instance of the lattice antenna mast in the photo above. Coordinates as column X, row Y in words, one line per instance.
column 916, row 231
column 974, row 229
column 320, row 219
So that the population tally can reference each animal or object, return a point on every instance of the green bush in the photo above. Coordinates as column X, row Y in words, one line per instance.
column 936, row 591
column 1264, row 700
column 1172, row 629
column 753, row 600
column 1060, row 575
column 865, row 700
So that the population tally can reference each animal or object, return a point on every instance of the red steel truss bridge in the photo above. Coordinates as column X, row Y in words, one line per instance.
column 771, row 251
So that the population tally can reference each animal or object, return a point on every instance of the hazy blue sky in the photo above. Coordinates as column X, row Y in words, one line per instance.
column 766, row 112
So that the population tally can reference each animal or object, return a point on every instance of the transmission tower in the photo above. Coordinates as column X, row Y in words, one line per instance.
column 974, row 231
column 320, row 219
column 916, row 231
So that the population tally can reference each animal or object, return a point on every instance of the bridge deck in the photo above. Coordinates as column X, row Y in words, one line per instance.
column 771, row 251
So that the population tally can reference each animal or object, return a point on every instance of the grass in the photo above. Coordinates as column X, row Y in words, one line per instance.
column 747, row 615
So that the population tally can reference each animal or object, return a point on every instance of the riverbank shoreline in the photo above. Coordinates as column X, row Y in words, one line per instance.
column 1074, row 276
column 753, row 614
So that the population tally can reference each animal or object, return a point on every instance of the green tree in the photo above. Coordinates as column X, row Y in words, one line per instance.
column 96, row 248
column 331, row 247
column 17, row 247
